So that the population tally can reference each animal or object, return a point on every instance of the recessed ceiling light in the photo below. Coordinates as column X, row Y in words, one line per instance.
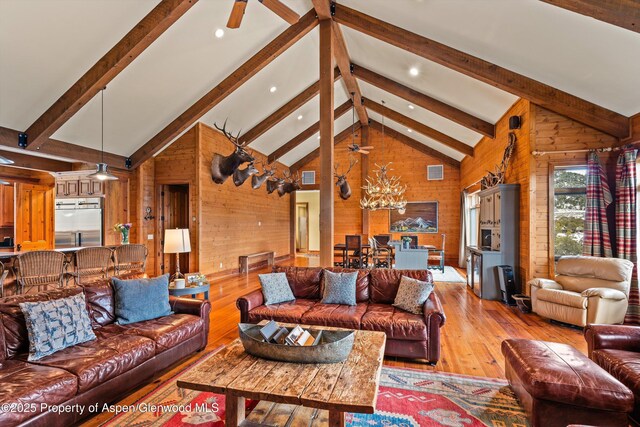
column 219, row 33
column 318, row 136
column 273, row 89
column 413, row 71
column 300, row 117
column 411, row 107
column 409, row 130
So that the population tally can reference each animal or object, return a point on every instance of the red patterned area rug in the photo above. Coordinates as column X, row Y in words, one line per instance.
column 407, row 398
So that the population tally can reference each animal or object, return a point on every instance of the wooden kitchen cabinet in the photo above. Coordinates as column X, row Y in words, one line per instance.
column 83, row 187
column 90, row 187
column 6, row 205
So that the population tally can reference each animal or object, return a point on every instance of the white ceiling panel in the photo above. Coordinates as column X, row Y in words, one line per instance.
column 578, row 54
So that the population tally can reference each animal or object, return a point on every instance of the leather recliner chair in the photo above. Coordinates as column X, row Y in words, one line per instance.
column 585, row 290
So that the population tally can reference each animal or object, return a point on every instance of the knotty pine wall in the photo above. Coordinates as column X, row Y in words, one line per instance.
column 488, row 154
column 411, row 166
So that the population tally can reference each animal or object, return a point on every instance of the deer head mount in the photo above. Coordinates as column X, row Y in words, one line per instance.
column 241, row 175
column 290, row 184
column 222, row 167
column 258, row 180
column 274, row 184
column 342, row 183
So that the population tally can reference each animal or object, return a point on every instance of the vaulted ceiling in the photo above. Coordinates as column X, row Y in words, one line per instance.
column 46, row 46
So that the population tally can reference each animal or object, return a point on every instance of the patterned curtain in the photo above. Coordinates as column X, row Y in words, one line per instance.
column 596, row 229
column 626, row 188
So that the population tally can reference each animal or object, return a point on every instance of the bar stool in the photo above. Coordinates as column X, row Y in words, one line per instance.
column 92, row 263
column 4, row 272
column 39, row 268
column 130, row 259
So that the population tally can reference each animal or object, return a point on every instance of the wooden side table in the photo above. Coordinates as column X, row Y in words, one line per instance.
column 201, row 288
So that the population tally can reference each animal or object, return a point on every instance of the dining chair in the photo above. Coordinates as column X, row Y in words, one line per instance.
column 38, row 245
column 4, row 272
column 356, row 258
column 130, row 259
column 380, row 256
column 437, row 256
column 382, row 239
column 38, row 269
column 92, row 263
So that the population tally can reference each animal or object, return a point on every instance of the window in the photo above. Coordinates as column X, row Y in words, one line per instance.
column 569, row 204
column 473, row 204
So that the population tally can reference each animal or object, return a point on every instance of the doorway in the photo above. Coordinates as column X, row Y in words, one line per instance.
column 174, row 213
column 307, row 222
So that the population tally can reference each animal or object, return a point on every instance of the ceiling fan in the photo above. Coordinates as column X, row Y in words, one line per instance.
column 276, row 6
column 355, row 148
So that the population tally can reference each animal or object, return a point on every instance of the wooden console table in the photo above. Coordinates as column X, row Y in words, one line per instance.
column 244, row 260
column 349, row 386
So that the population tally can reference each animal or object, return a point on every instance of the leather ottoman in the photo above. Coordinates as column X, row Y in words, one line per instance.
column 559, row 386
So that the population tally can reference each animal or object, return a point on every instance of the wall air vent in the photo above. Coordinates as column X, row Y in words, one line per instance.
column 435, row 173
column 308, row 177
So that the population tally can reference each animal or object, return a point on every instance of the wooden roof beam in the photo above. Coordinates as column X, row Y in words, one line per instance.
column 284, row 111
column 539, row 93
column 305, row 134
column 346, row 133
column 154, row 24
column 420, row 128
column 26, row 161
column 9, row 138
column 341, row 55
column 621, row 13
column 416, row 145
column 227, row 86
column 434, row 105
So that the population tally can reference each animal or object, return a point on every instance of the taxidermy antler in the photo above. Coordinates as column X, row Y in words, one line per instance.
column 223, row 167
column 241, row 175
column 342, row 183
column 290, row 185
column 258, row 180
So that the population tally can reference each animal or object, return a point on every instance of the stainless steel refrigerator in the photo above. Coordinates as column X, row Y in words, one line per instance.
column 78, row 222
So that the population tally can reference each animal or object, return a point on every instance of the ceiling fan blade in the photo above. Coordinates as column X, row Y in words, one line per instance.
column 363, row 152
column 235, row 19
column 367, row 147
column 282, row 10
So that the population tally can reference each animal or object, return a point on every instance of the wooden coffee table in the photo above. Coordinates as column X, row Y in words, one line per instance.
column 293, row 391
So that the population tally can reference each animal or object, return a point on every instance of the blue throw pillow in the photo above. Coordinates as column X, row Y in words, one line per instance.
column 339, row 288
column 275, row 288
column 56, row 324
column 141, row 299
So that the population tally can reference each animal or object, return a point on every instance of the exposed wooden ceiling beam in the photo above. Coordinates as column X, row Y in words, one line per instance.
column 106, row 69
column 539, row 93
column 346, row 133
column 621, row 13
column 416, row 145
column 445, row 110
column 305, row 134
column 341, row 55
column 247, row 70
column 26, row 161
column 323, row 9
column 420, row 128
column 282, row 10
column 284, row 111
column 53, row 147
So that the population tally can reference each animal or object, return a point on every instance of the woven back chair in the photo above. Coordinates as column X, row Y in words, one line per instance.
column 39, row 268
column 92, row 263
column 130, row 258
column 3, row 276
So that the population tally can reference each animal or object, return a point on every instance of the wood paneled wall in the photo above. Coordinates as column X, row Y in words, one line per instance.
column 488, row 154
column 116, row 207
column 234, row 220
column 411, row 166
column 141, row 196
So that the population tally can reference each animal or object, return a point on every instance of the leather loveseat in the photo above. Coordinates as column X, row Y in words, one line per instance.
column 95, row 372
column 585, row 290
column 616, row 348
column 408, row 335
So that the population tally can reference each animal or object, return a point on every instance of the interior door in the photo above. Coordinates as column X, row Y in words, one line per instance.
column 174, row 202
column 302, row 236
column 34, row 214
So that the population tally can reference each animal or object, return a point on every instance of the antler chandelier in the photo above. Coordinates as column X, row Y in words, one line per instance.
column 382, row 191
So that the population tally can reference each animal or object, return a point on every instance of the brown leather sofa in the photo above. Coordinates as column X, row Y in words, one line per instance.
column 95, row 372
column 408, row 335
column 616, row 348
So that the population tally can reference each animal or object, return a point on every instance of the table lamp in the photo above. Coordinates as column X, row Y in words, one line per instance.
column 176, row 241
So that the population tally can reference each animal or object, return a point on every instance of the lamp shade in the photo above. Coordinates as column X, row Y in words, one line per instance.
column 176, row 241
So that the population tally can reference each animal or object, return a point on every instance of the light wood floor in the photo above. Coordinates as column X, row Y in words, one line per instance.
column 470, row 342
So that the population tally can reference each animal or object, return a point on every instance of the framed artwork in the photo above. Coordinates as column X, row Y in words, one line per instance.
column 419, row 217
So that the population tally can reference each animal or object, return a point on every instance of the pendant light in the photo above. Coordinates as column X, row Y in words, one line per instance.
column 102, row 169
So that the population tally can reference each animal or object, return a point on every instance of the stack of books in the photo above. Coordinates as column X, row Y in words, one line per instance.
column 273, row 333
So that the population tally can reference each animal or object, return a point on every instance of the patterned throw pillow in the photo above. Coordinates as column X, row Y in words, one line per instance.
column 275, row 288
column 412, row 294
column 56, row 324
column 339, row 288
column 141, row 299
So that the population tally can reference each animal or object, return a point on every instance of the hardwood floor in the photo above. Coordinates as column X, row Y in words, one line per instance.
column 471, row 336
